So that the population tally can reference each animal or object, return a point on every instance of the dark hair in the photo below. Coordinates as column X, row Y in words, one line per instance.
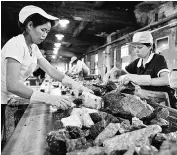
column 37, row 20
column 149, row 45
column 75, row 61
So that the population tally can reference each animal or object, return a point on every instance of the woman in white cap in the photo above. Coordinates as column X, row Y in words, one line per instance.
column 78, row 68
column 20, row 55
column 150, row 70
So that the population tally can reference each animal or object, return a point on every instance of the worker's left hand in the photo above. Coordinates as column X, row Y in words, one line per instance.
column 80, row 87
column 86, row 89
column 67, row 81
column 69, row 74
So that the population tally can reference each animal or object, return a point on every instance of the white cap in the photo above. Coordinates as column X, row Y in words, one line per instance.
column 73, row 59
column 30, row 9
column 142, row 37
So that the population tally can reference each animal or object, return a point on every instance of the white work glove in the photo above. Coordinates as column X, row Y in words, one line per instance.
column 105, row 78
column 62, row 102
column 69, row 82
column 144, row 80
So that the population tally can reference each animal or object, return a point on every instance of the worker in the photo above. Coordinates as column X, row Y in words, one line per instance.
column 78, row 67
column 150, row 70
column 19, row 58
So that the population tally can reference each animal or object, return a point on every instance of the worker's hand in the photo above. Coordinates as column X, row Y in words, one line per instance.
column 80, row 87
column 69, row 74
column 124, row 79
column 67, row 81
column 144, row 80
column 86, row 89
column 62, row 102
column 106, row 78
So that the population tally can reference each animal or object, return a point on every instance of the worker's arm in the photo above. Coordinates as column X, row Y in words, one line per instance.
column 162, row 80
column 13, row 83
column 50, row 70
column 57, row 75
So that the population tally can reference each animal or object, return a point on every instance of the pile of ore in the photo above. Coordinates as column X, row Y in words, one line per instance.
column 123, row 125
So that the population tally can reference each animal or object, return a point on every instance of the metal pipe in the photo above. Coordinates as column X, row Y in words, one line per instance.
column 165, row 26
column 150, row 26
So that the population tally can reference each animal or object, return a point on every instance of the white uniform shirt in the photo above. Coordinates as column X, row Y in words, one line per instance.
column 79, row 67
column 17, row 49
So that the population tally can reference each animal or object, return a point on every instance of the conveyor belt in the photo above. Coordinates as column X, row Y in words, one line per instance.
column 29, row 137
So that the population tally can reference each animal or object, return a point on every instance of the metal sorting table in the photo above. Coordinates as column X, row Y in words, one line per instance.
column 29, row 137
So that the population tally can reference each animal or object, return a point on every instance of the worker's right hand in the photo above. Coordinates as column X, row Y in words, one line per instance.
column 124, row 79
column 62, row 102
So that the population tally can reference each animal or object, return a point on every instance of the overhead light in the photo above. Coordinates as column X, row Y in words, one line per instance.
column 60, row 57
column 55, row 51
column 53, row 56
column 59, row 36
column 64, row 22
column 57, row 45
column 77, row 18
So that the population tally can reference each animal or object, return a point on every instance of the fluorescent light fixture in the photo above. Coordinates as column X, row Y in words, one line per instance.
column 57, row 45
column 64, row 22
column 55, row 51
column 59, row 36
column 53, row 56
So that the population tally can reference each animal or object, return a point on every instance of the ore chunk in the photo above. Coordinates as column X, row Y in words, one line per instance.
column 110, row 86
column 158, row 139
column 113, row 105
column 89, row 151
column 96, row 129
column 109, row 118
column 78, row 102
column 168, row 147
column 95, row 117
column 126, row 105
column 162, row 122
column 58, row 125
column 135, row 138
column 148, row 150
column 108, row 132
column 56, row 140
column 128, row 89
column 59, row 114
column 75, row 132
column 75, row 144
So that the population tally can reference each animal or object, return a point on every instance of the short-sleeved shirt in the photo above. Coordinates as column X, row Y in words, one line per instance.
column 155, row 65
column 17, row 49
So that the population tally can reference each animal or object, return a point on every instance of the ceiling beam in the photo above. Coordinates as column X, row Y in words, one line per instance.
column 83, row 24
column 91, row 15
column 80, row 28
